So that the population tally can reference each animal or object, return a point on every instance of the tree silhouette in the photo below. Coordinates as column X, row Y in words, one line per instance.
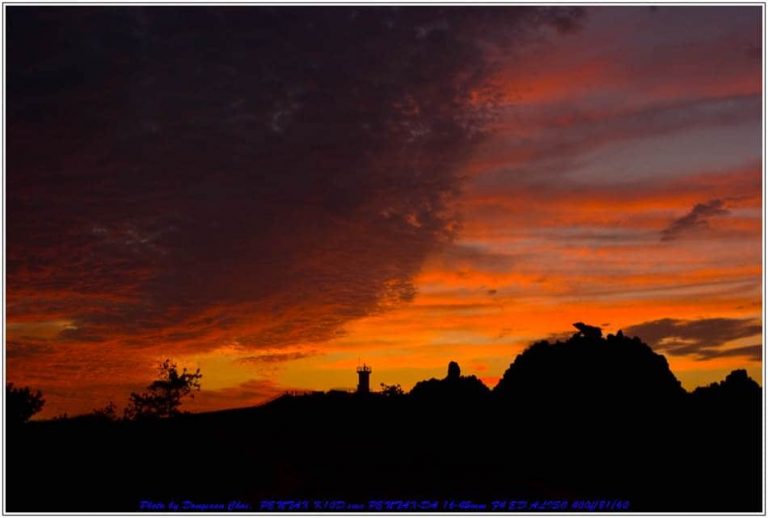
column 164, row 395
column 21, row 403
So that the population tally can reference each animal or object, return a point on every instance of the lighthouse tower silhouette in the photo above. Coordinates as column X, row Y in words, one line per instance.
column 363, row 379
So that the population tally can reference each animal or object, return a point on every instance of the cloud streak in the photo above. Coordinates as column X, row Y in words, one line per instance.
column 705, row 338
column 695, row 221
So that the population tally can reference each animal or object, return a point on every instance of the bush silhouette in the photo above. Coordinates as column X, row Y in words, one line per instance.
column 21, row 404
column 105, row 414
column 394, row 390
column 164, row 396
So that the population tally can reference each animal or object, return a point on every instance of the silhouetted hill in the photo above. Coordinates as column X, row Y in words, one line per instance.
column 616, row 372
column 589, row 419
column 736, row 390
column 725, row 425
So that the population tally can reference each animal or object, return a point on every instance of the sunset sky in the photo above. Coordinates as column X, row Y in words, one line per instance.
column 275, row 195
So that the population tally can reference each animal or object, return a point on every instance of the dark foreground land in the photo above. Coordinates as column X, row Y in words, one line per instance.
column 588, row 420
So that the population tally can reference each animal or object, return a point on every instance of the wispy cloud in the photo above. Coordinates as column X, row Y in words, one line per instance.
column 695, row 221
column 275, row 357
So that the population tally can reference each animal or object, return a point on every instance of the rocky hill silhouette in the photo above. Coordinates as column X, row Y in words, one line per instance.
column 588, row 367
column 618, row 374
column 588, row 419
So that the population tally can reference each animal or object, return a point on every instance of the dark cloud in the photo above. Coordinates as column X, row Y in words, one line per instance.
column 275, row 357
column 460, row 257
column 257, row 175
column 753, row 352
column 26, row 348
column 696, row 220
column 704, row 338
